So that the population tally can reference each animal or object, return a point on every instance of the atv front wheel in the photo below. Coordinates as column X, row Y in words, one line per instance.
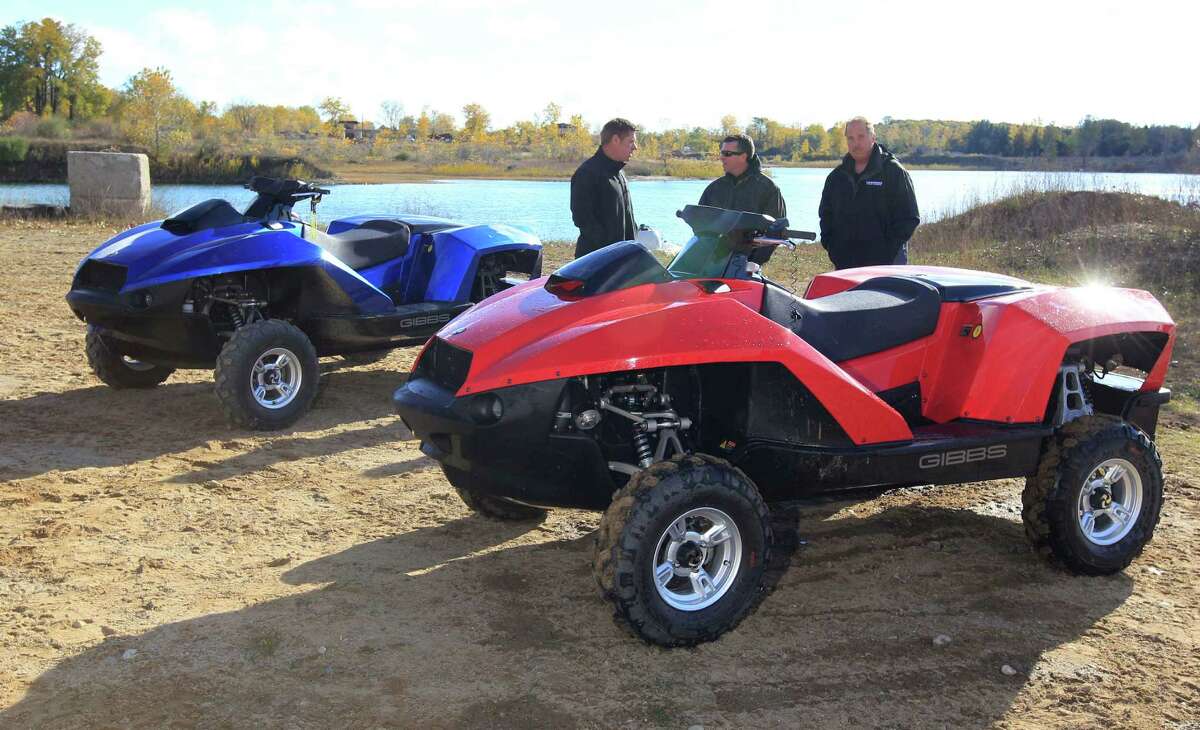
column 682, row 549
column 266, row 375
column 1095, row 500
column 120, row 371
column 469, row 490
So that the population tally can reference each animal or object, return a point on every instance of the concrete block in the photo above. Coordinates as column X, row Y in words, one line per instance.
column 109, row 183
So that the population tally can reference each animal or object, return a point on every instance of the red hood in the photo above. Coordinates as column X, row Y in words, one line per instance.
column 527, row 334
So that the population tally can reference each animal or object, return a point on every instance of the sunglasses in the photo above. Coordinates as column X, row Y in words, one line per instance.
column 731, row 153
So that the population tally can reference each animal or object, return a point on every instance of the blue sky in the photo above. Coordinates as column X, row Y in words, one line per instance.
column 667, row 63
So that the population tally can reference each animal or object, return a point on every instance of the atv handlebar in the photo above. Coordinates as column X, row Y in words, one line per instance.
column 275, row 197
column 284, row 189
column 802, row 235
column 785, row 240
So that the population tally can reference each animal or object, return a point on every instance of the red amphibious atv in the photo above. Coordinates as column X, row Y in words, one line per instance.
column 682, row 400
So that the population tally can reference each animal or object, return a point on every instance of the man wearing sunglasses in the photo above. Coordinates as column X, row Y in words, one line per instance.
column 600, row 204
column 744, row 186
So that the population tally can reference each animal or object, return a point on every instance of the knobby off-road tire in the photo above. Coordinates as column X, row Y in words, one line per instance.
column 114, row 370
column 629, row 554
column 267, row 375
column 1072, row 480
column 473, row 495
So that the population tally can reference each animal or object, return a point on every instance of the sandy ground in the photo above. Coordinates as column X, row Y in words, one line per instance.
column 159, row 568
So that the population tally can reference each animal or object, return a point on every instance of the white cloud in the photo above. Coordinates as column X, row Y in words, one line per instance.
column 670, row 62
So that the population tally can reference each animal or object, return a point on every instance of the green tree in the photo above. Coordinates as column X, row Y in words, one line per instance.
column 153, row 112
column 84, row 94
column 49, row 67
column 16, row 76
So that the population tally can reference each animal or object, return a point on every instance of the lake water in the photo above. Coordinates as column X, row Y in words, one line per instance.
column 543, row 206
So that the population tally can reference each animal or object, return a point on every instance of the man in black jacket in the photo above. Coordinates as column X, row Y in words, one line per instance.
column 868, row 208
column 744, row 186
column 600, row 204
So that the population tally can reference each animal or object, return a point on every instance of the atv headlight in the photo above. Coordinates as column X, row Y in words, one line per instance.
column 486, row 408
column 141, row 299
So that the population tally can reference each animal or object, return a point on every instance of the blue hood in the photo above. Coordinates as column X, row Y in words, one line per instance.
column 153, row 256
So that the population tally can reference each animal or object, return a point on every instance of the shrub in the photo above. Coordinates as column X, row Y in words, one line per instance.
column 13, row 149
column 52, row 128
column 21, row 123
column 98, row 128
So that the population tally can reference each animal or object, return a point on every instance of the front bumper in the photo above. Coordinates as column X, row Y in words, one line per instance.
column 518, row 457
column 158, row 332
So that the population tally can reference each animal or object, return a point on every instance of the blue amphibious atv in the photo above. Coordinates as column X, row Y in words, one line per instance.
column 260, row 295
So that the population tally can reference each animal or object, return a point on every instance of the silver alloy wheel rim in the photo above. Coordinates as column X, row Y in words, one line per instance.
column 697, row 559
column 137, row 365
column 275, row 378
column 1110, row 502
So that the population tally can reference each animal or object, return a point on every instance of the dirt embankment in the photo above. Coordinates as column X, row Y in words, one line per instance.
column 46, row 162
column 158, row 568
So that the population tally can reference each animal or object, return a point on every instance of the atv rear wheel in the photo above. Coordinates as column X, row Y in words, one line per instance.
column 117, row 370
column 469, row 490
column 1096, row 498
column 266, row 375
column 682, row 549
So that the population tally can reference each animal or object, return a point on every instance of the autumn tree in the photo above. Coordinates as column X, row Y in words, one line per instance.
column 476, row 122
column 334, row 109
column 250, row 120
column 154, row 113
column 441, row 123
column 729, row 125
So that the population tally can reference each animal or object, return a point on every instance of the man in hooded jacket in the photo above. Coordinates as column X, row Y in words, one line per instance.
column 868, row 207
column 744, row 186
column 600, row 204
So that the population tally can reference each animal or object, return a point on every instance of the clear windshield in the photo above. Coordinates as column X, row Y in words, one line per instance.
column 721, row 245
column 702, row 257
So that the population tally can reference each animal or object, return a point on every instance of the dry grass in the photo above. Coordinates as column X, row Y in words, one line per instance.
column 1041, row 215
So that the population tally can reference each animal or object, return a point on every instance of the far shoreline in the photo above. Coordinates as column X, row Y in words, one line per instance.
column 356, row 175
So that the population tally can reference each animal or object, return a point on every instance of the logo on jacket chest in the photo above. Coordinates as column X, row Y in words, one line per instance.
column 875, row 183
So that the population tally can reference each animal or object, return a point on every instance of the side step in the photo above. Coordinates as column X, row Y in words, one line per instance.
column 950, row 453
column 409, row 324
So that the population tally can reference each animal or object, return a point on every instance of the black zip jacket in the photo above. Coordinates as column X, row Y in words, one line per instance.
column 752, row 191
column 866, row 219
column 600, row 204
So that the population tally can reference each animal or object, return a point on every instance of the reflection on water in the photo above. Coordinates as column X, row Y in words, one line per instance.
column 542, row 206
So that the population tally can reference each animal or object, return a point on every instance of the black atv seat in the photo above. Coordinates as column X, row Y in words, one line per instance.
column 876, row 315
column 371, row 243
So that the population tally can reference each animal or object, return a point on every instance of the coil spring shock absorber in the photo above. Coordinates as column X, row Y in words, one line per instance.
column 641, row 444
column 235, row 314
